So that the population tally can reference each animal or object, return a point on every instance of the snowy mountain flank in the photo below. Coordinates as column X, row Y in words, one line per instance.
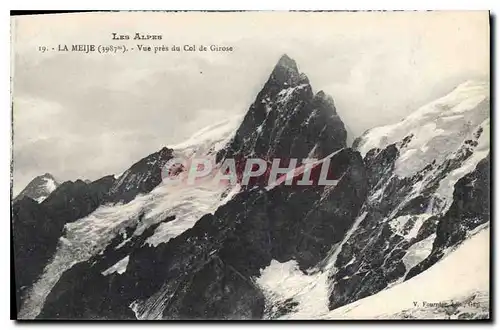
column 402, row 234
column 39, row 188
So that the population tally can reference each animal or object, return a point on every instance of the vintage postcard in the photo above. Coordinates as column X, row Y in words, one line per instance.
column 251, row 165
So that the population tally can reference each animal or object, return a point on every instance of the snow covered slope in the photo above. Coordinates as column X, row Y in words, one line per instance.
column 455, row 287
column 428, row 191
column 90, row 235
column 429, row 186
column 163, row 250
column 209, row 139
column 39, row 188
column 449, row 289
column 185, row 261
column 436, row 128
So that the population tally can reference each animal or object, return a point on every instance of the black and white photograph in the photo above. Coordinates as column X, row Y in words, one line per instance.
column 251, row 165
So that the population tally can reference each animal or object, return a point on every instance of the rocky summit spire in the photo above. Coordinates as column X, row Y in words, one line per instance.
column 286, row 74
column 287, row 62
column 39, row 188
column 324, row 102
column 287, row 120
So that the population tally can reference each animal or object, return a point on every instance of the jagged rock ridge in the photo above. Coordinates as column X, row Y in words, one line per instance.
column 207, row 272
column 421, row 198
column 38, row 227
column 219, row 257
column 382, row 222
column 140, row 178
column 39, row 188
column 288, row 120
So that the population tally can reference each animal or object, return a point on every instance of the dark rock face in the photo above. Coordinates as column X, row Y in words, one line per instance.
column 287, row 120
column 224, row 294
column 140, row 178
column 374, row 255
column 86, row 280
column 74, row 200
column 32, row 236
column 39, row 188
column 470, row 209
column 276, row 309
column 333, row 214
column 37, row 227
column 207, row 271
column 365, row 224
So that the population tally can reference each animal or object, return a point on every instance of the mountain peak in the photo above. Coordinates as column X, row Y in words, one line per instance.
column 327, row 99
column 141, row 177
column 286, row 74
column 287, row 120
column 47, row 176
column 287, row 62
column 39, row 188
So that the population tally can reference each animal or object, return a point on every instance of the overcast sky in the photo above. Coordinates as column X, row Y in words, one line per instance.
column 88, row 115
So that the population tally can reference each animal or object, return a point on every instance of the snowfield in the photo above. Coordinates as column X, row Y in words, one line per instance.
column 209, row 139
column 459, row 283
column 439, row 132
column 437, row 128
column 461, row 275
column 49, row 186
column 282, row 281
column 90, row 235
column 457, row 286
